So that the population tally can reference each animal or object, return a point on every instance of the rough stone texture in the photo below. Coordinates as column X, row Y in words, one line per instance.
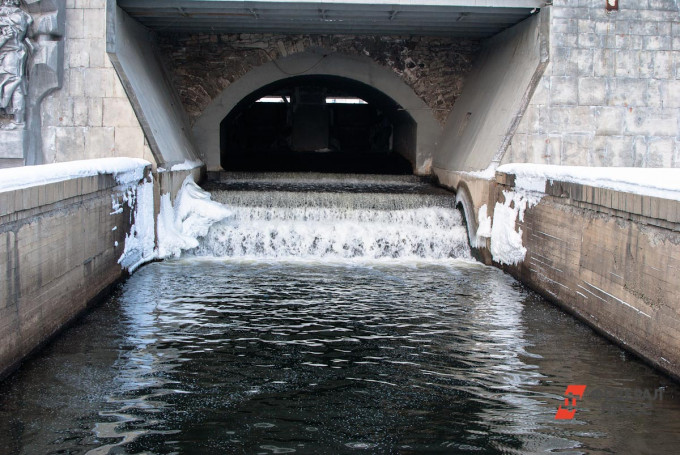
column 611, row 93
column 57, row 252
column 203, row 66
column 91, row 116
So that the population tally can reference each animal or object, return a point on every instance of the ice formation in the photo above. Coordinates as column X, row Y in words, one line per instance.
column 180, row 227
column 484, row 227
column 140, row 241
column 506, row 238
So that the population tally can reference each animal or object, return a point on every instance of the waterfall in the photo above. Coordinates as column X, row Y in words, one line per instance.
column 323, row 216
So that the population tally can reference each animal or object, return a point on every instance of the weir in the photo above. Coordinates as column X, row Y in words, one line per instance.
column 334, row 217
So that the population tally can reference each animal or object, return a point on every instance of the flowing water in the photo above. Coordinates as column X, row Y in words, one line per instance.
column 341, row 316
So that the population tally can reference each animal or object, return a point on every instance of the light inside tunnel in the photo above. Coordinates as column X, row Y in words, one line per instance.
column 329, row 100
column 346, row 100
column 274, row 99
column 318, row 124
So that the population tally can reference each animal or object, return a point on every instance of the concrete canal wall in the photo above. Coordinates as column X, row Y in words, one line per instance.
column 609, row 257
column 60, row 246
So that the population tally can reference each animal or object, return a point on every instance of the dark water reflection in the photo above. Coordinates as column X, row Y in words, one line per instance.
column 198, row 356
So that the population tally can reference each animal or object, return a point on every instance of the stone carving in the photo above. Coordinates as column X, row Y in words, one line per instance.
column 14, row 50
column 31, row 67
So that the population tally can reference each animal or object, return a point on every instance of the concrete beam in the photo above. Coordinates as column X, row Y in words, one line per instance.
column 316, row 3
column 411, row 17
column 153, row 97
column 496, row 94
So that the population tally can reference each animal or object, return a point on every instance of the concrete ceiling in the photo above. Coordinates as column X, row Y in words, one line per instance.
column 454, row 18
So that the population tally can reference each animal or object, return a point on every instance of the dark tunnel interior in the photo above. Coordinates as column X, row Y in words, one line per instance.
column 318, row 124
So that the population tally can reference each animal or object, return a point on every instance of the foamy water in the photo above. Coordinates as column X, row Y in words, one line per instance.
column 371, row 219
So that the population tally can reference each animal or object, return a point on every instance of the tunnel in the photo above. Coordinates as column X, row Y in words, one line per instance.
column 318, row 123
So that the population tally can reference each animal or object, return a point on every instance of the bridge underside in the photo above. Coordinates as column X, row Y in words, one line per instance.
column 461, row 18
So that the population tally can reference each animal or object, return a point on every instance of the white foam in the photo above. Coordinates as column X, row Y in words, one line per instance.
column 337, row 233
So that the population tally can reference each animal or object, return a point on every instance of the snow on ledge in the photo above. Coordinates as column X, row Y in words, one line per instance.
column 186, row 165
column 655, row 182
column 124, row 170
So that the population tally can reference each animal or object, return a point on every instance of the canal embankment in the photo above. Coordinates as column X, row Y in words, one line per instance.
column 610, row 256
column 68, row 232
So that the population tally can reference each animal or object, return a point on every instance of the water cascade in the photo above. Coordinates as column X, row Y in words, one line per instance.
column 312, row 216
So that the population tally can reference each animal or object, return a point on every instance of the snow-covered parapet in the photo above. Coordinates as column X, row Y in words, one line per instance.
column 133, row 189
column 530, row 186
column 124, row 170
column 655, row 182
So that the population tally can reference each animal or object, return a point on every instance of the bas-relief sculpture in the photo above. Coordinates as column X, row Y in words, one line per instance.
column 31, row 66
column 14, row 49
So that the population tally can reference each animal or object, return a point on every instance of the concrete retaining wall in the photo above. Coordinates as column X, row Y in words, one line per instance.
column 134, row 55
column 59, row 249
column 610, row 258
column 494, row 97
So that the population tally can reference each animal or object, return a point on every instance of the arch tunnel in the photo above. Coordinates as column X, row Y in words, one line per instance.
column 319, row 123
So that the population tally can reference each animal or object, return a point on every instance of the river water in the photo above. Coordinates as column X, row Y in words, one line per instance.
column 349, row 319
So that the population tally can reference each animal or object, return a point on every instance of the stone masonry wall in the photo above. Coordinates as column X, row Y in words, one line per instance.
column 91, row 116
column 611, row 93
column 203, row 66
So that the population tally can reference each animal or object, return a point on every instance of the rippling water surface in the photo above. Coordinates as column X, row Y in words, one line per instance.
column 234, row 356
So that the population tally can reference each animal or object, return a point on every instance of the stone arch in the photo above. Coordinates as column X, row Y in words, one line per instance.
column 206, row 129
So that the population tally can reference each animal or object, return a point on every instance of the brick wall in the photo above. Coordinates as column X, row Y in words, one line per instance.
column 202, row 66
column 611, row 93
column 90, row 117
